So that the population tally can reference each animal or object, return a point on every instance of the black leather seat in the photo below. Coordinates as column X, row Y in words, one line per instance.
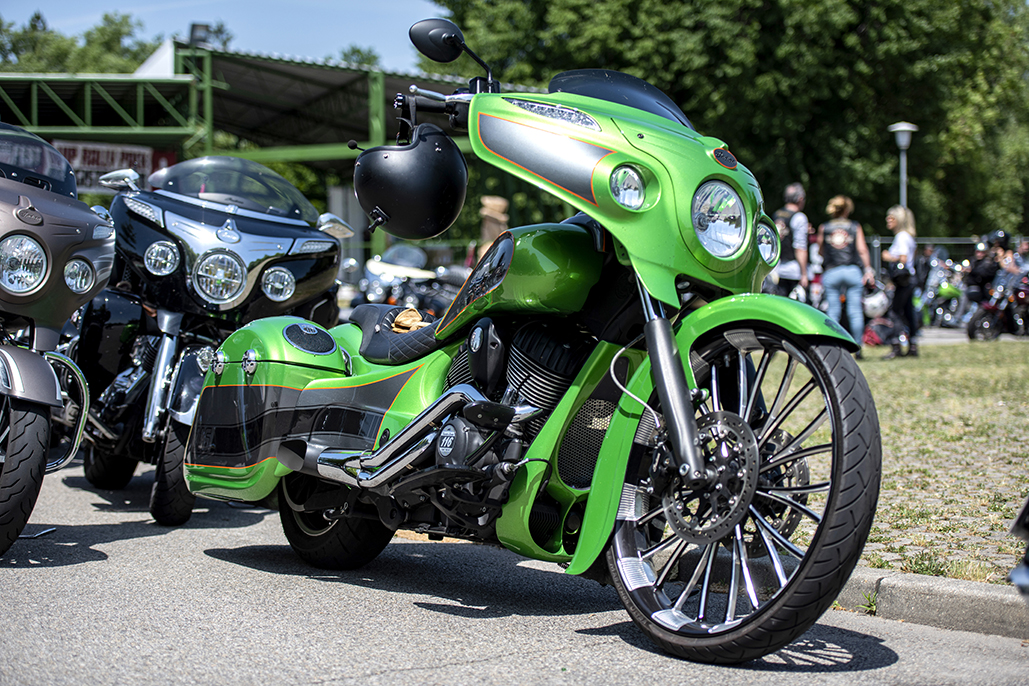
column 381, row 345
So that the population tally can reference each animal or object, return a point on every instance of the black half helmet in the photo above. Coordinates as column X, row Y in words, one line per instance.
column 416, row 190
column 27, row 158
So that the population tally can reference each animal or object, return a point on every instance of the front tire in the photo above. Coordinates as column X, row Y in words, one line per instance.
column 346, row 543
column 983, row 326
column 171, row 503
column 731, row 575
column 24, row 443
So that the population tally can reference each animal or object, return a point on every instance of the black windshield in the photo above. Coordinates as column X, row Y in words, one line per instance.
column 27, row 158
column 616, row 87
column 235, row 181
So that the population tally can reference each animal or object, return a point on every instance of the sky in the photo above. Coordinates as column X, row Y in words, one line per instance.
column 297, row 28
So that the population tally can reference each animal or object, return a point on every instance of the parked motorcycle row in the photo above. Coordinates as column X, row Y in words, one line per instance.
column 611, row 393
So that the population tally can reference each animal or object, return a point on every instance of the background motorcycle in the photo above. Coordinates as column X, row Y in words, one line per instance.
column 399, row 277
column 941, row 301
column 1005, row 311
column 217, row 242
column 608, row 393
column 55, row 254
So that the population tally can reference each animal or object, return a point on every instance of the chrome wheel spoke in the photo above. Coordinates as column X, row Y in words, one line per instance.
column 776, row 421
column 759, row 378
column 762, row 530
column 782, row 457
column 702, row 566
column 743, row 383
column 748, row 580
column 671, row 562
column 808, row 512
column 800, row 490
column 770, row 530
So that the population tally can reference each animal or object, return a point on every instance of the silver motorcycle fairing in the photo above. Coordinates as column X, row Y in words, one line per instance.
column 27, row 375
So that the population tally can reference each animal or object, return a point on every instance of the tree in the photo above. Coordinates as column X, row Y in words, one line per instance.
column 355, row 54
column 805, row 89
column 110, row 47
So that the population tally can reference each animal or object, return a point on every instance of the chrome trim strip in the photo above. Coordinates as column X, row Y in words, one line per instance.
column 80, row 422
column 219, row 207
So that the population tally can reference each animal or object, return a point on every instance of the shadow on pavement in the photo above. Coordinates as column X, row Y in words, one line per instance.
column 480, row 581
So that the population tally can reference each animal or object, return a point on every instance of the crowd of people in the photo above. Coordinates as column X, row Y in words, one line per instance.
column 838, row 251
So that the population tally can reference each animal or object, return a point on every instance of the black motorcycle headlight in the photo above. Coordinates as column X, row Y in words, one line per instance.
column 279, row 284
column 79, row 276
column 161, row 258
column 220, row 277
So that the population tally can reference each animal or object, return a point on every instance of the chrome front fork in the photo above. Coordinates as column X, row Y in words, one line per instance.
column 60, row 360
column 160, row 380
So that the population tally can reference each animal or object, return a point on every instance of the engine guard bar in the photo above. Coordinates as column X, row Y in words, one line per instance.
column 80, row 421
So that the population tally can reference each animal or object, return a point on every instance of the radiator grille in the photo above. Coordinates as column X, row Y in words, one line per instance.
column 577, row 458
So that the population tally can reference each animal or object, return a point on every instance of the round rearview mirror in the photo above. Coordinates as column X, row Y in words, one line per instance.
column 438, row 39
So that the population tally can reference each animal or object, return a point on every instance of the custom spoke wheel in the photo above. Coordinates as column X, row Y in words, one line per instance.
column 740, row 568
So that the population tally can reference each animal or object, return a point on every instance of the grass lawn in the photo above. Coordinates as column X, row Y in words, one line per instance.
column 955, row 435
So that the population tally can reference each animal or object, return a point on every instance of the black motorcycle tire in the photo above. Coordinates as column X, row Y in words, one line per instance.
column 171, row 503
column 105, row 471
column 837, row 481
column 339, row 544
column 984, row 326
column 27, row 429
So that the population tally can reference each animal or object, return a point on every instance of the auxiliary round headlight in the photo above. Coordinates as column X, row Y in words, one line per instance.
column 279, row 284
column 79, row 276
column 719, row 218
column 161, row 258
column 627, row 187
column 768, row 243
column 220, row 277
column 22, row 264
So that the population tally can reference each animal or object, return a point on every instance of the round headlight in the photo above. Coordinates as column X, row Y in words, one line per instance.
column 719, row 218
column 220, row 277
column 79, row 276
column 278, row 284
column 161, row 258
column 22, row 264
column 627, row 187
column 768, row 243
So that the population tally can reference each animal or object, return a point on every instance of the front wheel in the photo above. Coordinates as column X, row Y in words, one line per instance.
column 171, row 503
column 24, row 442
column 984, row 326
column 345, row 543
column 745, row 566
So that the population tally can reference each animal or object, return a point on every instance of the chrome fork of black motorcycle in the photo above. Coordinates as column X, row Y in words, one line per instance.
column 169, row 323
column 673, row 391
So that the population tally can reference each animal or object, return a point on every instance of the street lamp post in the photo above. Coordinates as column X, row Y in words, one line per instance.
column 902, row 131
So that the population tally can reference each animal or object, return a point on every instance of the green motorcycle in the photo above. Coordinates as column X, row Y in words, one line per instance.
column 611, row 393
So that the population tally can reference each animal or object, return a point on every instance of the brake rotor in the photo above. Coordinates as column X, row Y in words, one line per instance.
column 729, row 449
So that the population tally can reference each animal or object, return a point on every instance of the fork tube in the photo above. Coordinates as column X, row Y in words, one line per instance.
column 670, row 380
column 169, row 324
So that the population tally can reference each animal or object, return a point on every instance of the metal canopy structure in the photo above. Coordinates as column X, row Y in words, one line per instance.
column 296, row 110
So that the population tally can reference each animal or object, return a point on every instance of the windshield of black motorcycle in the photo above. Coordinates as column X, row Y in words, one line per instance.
column 27, row 158
column 234, row 181
column 621, row 89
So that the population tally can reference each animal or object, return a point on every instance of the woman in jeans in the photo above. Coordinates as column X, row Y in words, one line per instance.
column 845, row 263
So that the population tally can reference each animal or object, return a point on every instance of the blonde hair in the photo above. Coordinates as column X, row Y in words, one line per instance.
column 839, row 206
column 904, row 217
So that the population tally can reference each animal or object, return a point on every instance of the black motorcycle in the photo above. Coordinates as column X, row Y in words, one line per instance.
column 218, row 242
column 55, row 254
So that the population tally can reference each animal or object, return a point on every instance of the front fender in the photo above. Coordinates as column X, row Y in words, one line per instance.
column 608, row 478
column 28, row 376
column 187, row 382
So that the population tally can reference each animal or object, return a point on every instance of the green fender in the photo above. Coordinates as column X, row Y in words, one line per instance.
column 606, row 489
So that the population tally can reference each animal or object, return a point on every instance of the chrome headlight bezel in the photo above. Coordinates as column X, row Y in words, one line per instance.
column 79, row 275
column 161, row 258
column 719, row 218
column 278, row 284
column 223, row 287
column 21, row 248
column 628, row 187
column 768, row 243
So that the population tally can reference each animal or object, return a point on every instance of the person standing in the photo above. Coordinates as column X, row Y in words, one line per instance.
column 901, row 253
column 793, row 227
column 846, row 264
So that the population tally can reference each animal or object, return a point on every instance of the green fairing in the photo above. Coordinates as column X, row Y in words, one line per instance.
column 552, row 269
column 643, row 233
column 606, row 490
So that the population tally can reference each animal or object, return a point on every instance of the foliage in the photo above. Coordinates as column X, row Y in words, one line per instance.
column 805, row 89
column 355, row 54
column 112, row 46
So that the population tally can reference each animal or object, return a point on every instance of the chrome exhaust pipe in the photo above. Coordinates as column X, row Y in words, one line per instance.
column 369, row 470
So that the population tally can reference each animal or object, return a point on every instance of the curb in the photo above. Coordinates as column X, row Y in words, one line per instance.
column 939, row 602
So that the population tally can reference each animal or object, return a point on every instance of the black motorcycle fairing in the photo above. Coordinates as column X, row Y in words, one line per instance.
column 108, row 327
